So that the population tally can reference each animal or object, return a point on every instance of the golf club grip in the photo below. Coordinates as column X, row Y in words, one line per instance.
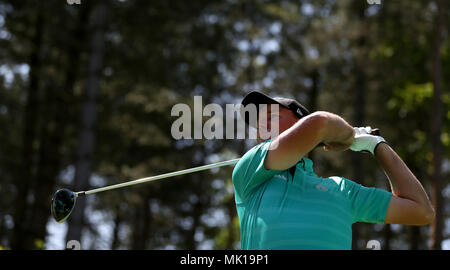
column 375, row 132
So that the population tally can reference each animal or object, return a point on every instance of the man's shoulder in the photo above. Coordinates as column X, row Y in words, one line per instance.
column 252, row 152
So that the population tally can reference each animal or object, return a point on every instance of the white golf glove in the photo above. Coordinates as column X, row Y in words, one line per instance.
column 364, row 141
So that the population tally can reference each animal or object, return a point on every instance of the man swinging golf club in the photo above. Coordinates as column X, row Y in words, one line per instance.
column 283, row 204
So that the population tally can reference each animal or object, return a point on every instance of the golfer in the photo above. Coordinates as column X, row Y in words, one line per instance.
column 283, row 204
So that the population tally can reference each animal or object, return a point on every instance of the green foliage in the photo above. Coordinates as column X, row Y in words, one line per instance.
column 222, row 239
column 412, row 97
column 39, row 244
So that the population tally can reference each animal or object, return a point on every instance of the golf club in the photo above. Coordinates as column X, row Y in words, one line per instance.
column 63, row 201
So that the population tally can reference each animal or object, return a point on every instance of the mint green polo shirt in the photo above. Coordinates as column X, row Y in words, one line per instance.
column 302, row 212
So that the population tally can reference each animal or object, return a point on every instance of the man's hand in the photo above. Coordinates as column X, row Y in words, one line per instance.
column 338, row 146
column 364, row 141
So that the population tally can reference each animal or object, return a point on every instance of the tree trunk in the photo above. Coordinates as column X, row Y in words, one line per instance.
column 141, row 224
column 116, row 239
column 414, row 238
column 135, row 224
column 358, row 120
column 436, row 126
column 313, row 97
column 2, row 231
column 197, row 211
column 231, row 210
column 359, row 106
column 25, row 175
column 51, row 138
column 86, row 141
column 314, row 93
column 387, row 236
column 53, row 132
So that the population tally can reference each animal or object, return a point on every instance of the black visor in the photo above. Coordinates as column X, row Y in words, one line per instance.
column 258, row 98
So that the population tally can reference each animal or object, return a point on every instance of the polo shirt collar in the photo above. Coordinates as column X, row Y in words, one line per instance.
column 306, row 164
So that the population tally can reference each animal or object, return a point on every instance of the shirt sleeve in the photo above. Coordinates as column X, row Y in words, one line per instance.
column 369, row 204
column 250, row 172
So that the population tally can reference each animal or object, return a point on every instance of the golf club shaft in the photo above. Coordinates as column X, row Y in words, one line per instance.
column 161, row 176
column 172, row 174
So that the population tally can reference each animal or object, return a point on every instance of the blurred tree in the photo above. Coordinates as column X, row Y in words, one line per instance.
column 88, row 118
column 58, row 93
column 437, row 226
column 53, row 91
column 360, row 44
column 404, row 54
column 26, row 171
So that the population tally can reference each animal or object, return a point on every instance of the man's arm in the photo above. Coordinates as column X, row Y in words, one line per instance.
column 409, row 204
column 305, row 135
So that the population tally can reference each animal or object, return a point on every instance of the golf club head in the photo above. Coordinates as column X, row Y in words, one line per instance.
column 63, row 202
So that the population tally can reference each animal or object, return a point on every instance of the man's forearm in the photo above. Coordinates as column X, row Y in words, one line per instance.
column 338, row 130
column 403, row 182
